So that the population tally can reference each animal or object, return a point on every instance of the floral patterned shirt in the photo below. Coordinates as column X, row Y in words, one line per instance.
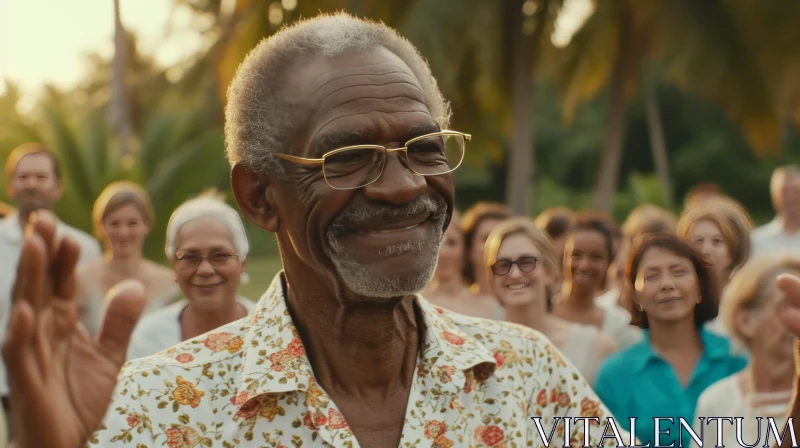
column 477, row 383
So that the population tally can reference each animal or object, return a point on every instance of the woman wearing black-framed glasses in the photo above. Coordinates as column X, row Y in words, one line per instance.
column 521, row 263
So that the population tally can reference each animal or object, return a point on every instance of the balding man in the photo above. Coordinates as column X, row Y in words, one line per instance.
column 782, row 234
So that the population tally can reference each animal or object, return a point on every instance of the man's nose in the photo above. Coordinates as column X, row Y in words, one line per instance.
column 398, row 184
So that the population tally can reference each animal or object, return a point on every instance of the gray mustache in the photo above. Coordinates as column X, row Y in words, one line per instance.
column 424, row 204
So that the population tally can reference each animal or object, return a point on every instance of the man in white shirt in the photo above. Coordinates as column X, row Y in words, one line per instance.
column 34, row 184
column 782, row 234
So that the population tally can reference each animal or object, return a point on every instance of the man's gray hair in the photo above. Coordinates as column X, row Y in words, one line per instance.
column 258, row 120
column 207, row 206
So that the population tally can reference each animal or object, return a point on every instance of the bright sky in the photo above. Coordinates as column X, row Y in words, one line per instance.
column 44, row 41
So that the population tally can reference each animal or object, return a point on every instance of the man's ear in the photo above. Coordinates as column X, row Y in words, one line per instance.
column 254, row 195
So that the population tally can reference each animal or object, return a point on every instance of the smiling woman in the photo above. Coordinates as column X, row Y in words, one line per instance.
column 207, row 245
column 668, row 291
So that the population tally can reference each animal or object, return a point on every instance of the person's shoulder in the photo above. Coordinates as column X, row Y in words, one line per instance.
column 502, row 337
column 619, row 362
column 212, row 348
column 723, row 391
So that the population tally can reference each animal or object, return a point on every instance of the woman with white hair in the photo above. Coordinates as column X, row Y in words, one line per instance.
column 751, row 310
column 207, row 245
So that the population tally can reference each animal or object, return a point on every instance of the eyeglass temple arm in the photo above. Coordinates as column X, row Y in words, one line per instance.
column 301, row 160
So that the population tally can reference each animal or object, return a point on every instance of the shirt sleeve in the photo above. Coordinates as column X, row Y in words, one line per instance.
column 567, row 412
column 126, row 423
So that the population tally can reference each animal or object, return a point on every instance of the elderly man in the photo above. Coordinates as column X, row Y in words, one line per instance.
column 334, row 128
column 782, row 234
column 34, row 183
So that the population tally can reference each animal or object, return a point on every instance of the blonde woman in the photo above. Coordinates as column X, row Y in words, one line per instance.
column 449, row 289
column 750, row 310
column 521, row 262
column 717, row 231
column 122, row 218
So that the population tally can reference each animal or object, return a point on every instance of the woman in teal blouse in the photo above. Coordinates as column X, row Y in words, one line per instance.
column 671, row 295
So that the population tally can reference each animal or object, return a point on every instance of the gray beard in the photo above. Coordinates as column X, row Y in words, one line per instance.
column 363, row 279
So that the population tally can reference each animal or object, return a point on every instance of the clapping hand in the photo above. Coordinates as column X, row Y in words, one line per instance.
column 61, row 380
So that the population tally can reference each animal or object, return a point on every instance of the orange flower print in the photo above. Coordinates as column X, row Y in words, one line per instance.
column 439, row 310
column 499, row 358
column 186, row 394
column 279, row 360
column 553, row 395
column 434, row 428
column 563, row 399
column 590, row 408
column 442, row 442
column 217, row 342
column 493, row 436
column 249, row 409
column 453, row 338
column 234, row 345
column 541, row 398
column 335, row 420
column 183, row 358
column 223, row 340
column 270, row 408
column 315, row 397
column 445, row 375
column 182, row 437
column 240, row 398
column 313, row 422
column 134, row 420
column 295, row 348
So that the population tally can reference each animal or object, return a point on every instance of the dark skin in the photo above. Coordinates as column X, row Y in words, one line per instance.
column 363, row 350
column 63, row 381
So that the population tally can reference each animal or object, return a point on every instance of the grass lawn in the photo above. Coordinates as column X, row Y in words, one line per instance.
column 261, row 270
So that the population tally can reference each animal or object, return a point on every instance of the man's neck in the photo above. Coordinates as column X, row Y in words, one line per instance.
column 355, row 348
column 791, row 225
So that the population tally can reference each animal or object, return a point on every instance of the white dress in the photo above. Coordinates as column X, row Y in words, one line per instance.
column 725, row 398
column 161, row 329
column 581, row 350
column 617, row 325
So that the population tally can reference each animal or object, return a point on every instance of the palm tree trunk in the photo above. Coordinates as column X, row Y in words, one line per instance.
column 521, row 161
column 611, row 158
column 658, row 144
column 120, row 102
column 518, row 164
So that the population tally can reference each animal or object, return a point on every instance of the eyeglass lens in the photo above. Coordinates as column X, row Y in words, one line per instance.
column 354, row 168
column 525, row 264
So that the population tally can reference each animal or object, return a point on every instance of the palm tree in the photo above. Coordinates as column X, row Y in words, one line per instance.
column 120, row 101
column 703, row 49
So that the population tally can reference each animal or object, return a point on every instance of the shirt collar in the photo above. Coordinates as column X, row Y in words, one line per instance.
column 449, row 357
column 11, row 230
column 644, row 353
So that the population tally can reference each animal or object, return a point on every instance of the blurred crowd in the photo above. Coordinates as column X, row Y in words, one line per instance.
column 632, row 305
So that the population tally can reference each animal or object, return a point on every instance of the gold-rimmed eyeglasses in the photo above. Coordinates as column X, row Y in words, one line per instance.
column 357, row 166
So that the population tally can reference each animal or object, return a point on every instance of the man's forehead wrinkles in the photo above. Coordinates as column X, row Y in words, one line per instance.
column 354, row 76
column 368, row 92
column 334, row 70
column 363, row 130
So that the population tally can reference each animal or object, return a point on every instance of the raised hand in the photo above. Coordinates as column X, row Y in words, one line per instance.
column 790, row 286
column 61, row 380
